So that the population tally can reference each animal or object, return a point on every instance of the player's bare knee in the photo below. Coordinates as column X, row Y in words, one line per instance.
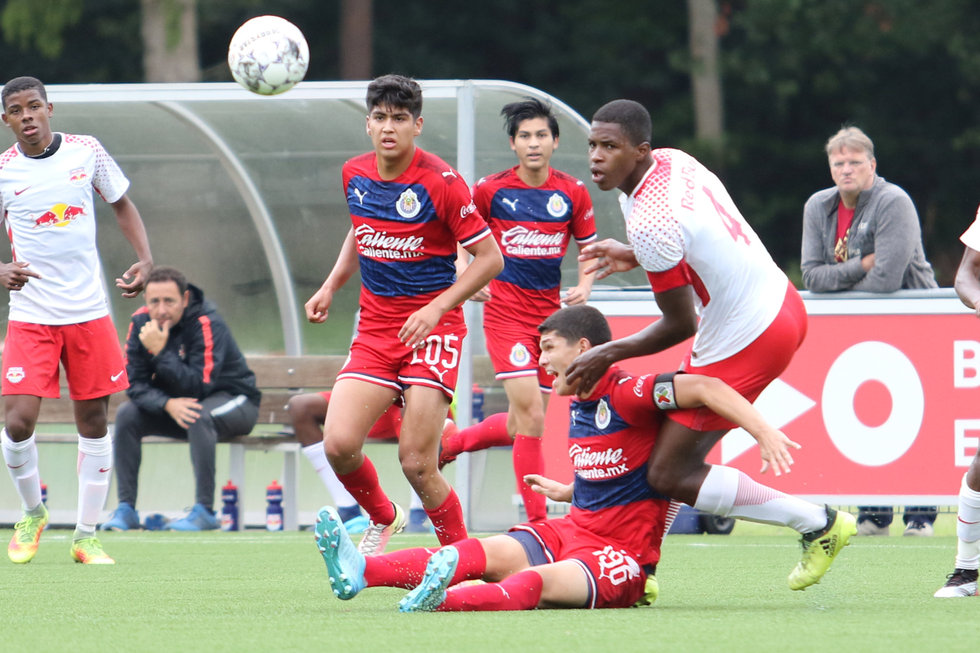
column 666, row 479
column 416, row 467
column 19, row 428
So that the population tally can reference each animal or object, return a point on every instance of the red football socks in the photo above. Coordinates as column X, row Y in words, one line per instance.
column 522, row 591
column 363, row 485
column 447, row 520
column 406, row 568
column 528, row 459
column 491, row 432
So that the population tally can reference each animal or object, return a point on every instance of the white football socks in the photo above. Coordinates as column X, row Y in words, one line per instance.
column 318, row 458
column 21, row 459
column 968, row 528
column 94, row 474
column 730, row 493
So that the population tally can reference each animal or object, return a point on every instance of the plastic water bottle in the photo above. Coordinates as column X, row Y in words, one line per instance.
column 477, row 403
column 44, row 493
column 229, row 511
column 273, row 509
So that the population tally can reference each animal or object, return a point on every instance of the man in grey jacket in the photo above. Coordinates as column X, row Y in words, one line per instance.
column 863, row 234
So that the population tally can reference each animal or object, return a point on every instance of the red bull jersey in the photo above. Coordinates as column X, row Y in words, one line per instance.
column 686, row 230
column 610, row 437
column 48, row 209
column 533, row 227
column 406, row 231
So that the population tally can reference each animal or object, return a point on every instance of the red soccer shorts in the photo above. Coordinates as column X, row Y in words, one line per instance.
column 89, row 351
column 752, row 369
column 616, row 579
column 514, row 350
column 378, row 356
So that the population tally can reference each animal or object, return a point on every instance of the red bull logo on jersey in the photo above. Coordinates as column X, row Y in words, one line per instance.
column 688, row 173
column 378, row 244
column 59, row 215
column 77, row 177
column 408, row 204
column 521, row 241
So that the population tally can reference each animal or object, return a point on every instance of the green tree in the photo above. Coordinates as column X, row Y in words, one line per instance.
column 902, row 70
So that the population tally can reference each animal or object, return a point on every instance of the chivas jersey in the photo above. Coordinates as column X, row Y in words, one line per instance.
column 610, row 437
column 685, row 229
column 49, row 210
column 406, row 232
column 533, row 227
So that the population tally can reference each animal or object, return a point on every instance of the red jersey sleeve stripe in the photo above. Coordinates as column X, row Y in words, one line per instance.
column 675, row 277
column 680, row 275
column 208, row 348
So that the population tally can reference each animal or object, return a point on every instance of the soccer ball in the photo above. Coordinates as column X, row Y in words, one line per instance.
column 268, row 55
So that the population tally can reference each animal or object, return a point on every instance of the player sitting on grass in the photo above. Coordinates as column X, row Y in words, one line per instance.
column 601, row 553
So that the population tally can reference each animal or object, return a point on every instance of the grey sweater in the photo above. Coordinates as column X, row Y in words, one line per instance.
column 885, row 223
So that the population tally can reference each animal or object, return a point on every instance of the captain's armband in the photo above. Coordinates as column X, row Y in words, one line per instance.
column 664, row 396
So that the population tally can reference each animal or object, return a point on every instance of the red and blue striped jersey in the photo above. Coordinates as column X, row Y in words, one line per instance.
column 533, row 227
column 406, row 231
column 610, row 437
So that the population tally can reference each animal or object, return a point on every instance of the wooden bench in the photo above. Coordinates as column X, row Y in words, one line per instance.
column 279, row 378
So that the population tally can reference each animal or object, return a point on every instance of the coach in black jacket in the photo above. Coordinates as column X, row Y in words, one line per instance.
column 188, row 380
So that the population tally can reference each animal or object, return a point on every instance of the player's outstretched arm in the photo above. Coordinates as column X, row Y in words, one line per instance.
column 695, row 390
column 679, row 322
column 609, row 256
column 131, row 225
column 550, row 488
column 318, row 306
column 486, row 264
column 967, row 282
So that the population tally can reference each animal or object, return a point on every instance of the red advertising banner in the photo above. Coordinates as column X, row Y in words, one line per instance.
column 886, row 403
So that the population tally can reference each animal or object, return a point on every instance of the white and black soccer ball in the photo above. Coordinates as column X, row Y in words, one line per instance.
column 268, row 55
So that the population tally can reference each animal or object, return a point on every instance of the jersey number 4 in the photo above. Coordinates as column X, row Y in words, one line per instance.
column 733, row 225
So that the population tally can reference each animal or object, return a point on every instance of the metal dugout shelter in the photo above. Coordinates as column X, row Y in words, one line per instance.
column 243, row 192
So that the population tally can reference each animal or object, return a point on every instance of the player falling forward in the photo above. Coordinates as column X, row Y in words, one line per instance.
column 533, row 211
column 600, row 554
column 58, row 309
column 712, row 279
column 409, row 210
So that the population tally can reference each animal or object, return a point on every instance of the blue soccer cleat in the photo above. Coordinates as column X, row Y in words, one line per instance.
column 124, row 518
column 431, row 592
column 198, row 519
column 345, row 564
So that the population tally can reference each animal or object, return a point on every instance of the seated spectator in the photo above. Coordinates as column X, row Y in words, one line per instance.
column 863, row 233
column 188, row 380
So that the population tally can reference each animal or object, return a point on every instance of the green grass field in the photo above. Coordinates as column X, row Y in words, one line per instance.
column 258, row 591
